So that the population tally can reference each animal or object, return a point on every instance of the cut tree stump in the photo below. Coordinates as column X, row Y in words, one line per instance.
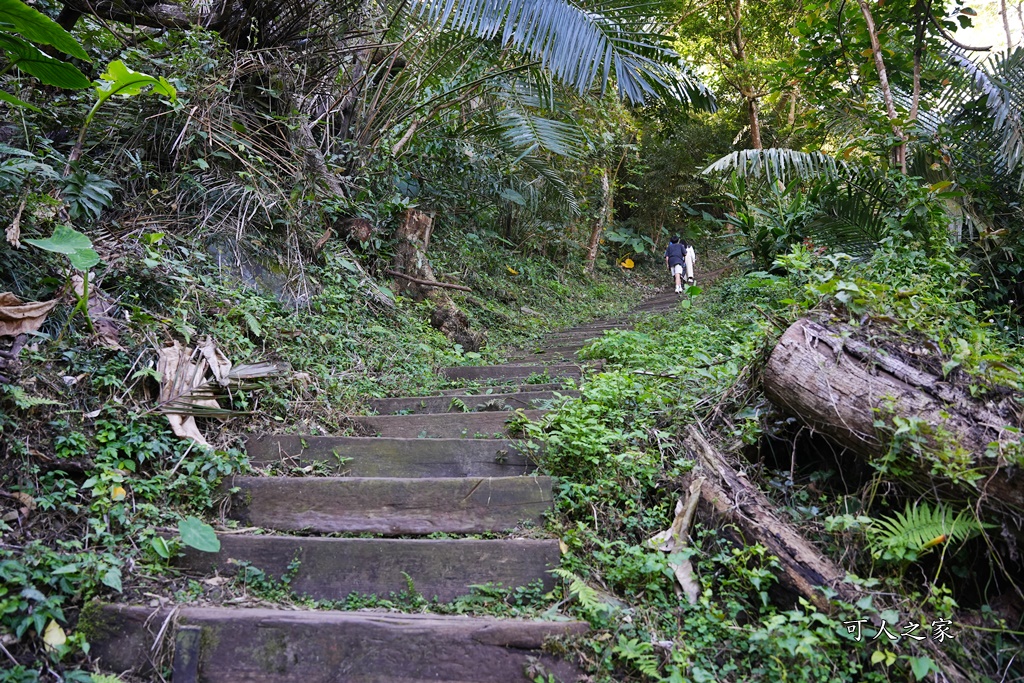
column 840, row 387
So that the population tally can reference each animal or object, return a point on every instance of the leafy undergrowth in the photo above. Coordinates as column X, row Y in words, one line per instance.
column 620, row 464
column 94, row 485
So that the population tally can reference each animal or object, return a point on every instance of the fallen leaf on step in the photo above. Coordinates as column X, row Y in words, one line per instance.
column 54, row 636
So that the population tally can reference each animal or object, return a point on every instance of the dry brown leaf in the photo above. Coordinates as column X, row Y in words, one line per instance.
column 18, row 317
column 218, row 362
column 13, row 233
column 675, row 539
column 28, row 501
column 178, row 376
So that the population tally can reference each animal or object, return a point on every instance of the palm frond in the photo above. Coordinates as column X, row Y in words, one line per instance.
column 852, row 214
column 550, row 176
column 523, row 128
column 582, row 43
column 779, row 165
column 999, row 80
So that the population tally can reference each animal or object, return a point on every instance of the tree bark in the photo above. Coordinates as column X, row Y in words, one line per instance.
column 843, row 387
column 417, row 280
column 1006, row 24
column 603, row 219
column 883, row 84
column 755, row 121
column 730, row 500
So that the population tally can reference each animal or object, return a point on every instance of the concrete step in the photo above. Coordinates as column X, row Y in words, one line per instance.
column 460, row 403
column 231, row 645
column 512, row 373
column 391, row 506
column 362, row 456
column 332, row 568
column 441, row 426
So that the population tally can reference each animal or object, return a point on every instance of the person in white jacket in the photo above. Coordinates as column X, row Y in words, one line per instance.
column 691, row 259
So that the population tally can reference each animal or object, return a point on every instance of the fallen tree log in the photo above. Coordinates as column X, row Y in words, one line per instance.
column 729, row 500
column 856, row 394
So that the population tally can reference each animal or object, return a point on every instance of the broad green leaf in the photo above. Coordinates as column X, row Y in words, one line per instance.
column 199, row 535
column 84, row 259
column 160, row 547
column 34, row 62
column 118, row 79
column 64, row 240
column 73, row 244
column 112, row 578
column 39, row 28
column 922, row 666
column 11, row 99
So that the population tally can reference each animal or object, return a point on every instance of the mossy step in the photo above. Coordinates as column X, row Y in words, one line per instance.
column 361, row 456
column 445, row 425
column 284, row 646
column 462, row 403
column 544, row 355
column 332, row 568
column 392, row 506
column 512, row 372
column 479, row 389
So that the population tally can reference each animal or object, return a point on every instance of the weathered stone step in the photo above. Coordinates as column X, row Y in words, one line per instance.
column 503, row 389
column 361, row 456
column 541, row 354
column 391, row 506
column 488, row 424
column 284, row 646
column 506, row 372
column 332, row 568
column 462, row 403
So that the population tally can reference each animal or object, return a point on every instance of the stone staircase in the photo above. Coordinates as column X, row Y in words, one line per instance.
column 427, row 465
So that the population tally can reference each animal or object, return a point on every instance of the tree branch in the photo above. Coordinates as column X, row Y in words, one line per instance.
column 428, row 283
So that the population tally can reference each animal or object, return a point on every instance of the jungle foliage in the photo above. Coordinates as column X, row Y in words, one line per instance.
column 238, row 172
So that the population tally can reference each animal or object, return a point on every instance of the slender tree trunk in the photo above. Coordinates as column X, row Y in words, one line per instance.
column 737, row 46
column 883, row 84
column 602, row 221
column 920, row 19
column 791, row 118
column 755, row 121
column 1006, row 23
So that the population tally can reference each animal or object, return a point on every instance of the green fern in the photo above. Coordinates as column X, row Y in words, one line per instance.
column 919, row 528
column 24, row 401
column 589, row 598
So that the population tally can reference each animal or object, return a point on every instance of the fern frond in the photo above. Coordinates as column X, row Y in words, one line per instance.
column 588, row 597
column 920, row 527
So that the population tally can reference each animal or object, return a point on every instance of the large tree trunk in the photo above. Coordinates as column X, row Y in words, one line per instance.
column 843, row 388
column 413, row 240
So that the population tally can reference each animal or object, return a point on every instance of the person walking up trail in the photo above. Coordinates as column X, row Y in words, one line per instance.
column 675, row 258
column 691, row 259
